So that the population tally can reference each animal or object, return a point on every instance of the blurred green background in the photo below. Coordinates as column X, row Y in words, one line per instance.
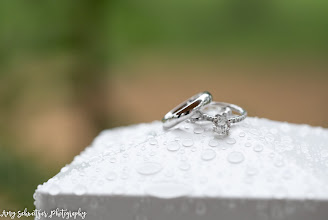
column 69, row 69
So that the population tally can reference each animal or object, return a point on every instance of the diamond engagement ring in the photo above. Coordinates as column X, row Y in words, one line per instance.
column 222, row 121
column 186, row 109
column 200, row 108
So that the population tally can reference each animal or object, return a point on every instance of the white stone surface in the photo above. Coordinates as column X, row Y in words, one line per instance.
column 263, row 170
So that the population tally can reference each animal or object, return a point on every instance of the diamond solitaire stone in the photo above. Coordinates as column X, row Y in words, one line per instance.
column 221, row 124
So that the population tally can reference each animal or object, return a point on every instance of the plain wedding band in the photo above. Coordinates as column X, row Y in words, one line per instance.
column 186, row 109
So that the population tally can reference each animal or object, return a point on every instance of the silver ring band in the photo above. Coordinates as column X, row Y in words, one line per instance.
column 222, row 121
column 186, row 109
column 234, row 108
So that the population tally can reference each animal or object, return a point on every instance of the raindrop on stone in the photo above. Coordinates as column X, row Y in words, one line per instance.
column 213, row 143
column 187, row 126
column 230, row 141
column 208, row 154
column 184, row 158
column 173, row 146
column 248, row 144
column 168, row 190
column 198, row 130
column 79, row 190
column 124, row 176
column 236, row 157
column 54, row 189
column 64, row 169
column 269, row 138
column 187, row 142
column 112, row 160
column 258, row 148
column 149, row 168
column 279, row 163
column 242, row 134
column 153, row 141
column 184, row 166
column 251, row 171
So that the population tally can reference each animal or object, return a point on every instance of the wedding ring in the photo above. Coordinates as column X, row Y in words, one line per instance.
column 186, row 109
column 223, row 121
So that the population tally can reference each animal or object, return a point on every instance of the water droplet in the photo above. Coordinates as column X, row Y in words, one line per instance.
column 198, row 130
column 247, row 144
column 149, row 168
column 124, row 176
column 251, row 171
column 122, row 148
column 187, row 142
column 111, row 176
column 279, row 163
column 184, row 166
column 183, row 158
column 153, row 141
column 193, row 149
column 286, row 139
column 79, row 190
column 254, row 131
column 112, row 160
column 168, row 190
column 269, row 138
column 187, row 126
column 208, row 154
column 213, row 143
column 236, row 157
column 230, row 141
column 54, row 189
column 181, row 151
column 64, row 169
column 258, row 148
column 242, row 134
column 324, row 153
